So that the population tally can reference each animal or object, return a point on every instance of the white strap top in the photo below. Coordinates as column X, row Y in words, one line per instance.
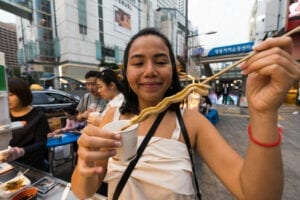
column 163, row 172
column 115, row 102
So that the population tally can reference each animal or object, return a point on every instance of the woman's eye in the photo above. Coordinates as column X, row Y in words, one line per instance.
column 137, row 63
column 161, row 62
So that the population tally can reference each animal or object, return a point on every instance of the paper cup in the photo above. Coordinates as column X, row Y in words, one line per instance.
column 94, row 114
column 129, row 137
column 4, row 154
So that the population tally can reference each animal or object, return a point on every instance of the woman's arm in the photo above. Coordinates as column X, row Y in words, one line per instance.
column 271, row 72
column 95, row 146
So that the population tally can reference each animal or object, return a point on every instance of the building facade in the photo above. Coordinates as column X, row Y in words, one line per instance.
column 8, row 44
column 69, row 38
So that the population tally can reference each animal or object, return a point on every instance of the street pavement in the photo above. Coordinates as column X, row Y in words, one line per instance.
column 232, row 125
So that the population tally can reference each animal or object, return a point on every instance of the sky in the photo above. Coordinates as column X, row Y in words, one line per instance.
column 7, row 17
column 229, row 18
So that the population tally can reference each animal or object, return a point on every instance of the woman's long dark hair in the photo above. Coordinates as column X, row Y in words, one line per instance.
column 131, row 104
column 109, row 76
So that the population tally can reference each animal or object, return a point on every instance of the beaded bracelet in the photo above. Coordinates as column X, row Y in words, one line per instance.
column 274, row 144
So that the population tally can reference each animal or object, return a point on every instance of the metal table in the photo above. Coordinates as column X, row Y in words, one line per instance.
column 34, row 175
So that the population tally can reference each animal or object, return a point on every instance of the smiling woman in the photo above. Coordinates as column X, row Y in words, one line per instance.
column 150, row 77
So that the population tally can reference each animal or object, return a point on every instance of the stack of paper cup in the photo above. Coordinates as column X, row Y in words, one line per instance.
column 94, row 114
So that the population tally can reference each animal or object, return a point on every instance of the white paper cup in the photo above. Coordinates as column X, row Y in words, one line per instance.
column 94, row 114
column 129, row 137
column 4, row 154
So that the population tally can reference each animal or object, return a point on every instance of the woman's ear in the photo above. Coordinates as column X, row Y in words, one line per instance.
column 112, row 85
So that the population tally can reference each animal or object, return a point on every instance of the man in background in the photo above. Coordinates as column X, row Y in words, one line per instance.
column 91, row 101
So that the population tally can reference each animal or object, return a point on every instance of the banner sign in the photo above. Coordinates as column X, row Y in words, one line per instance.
column 231, row 49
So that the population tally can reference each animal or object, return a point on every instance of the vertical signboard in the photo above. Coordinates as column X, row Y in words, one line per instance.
column 122, row 20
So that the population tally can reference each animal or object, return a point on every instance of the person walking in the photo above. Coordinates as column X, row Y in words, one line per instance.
column 225, row 94
column 165, row 170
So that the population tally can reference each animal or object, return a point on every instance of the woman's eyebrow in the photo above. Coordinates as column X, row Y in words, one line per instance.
column 161, row 55
column 136, row 56
column 158, row 55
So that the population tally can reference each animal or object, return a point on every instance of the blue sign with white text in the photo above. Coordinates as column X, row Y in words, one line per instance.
column 231, row 49
column 197, row 51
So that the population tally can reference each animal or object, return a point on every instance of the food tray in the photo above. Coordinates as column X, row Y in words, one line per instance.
column 6, row 193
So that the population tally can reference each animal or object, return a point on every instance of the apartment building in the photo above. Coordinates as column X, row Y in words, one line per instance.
column 8, row 44
column 71, row 37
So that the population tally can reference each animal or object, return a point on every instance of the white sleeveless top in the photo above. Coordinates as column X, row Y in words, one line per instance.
column 163, row 172
column 115, row 102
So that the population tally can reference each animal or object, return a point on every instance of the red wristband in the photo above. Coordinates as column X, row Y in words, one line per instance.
column 274, row 144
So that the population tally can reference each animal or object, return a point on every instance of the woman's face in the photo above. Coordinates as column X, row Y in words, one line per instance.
column 149, row 69
column 105, row 91
column 14, row 101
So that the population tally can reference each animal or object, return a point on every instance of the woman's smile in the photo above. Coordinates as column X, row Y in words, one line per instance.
column 151, row 85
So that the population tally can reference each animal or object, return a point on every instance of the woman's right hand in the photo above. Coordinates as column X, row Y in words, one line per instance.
column 94, row 120
column 95, row 146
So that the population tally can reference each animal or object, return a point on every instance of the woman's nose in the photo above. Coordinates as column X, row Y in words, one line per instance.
column 150, row 68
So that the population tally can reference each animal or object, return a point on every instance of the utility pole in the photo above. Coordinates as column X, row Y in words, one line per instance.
column 186, row 35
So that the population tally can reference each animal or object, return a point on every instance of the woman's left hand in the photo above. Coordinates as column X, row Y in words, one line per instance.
column 271, row 73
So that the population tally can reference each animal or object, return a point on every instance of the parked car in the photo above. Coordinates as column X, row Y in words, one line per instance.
column 64, row 83
column 52, row 102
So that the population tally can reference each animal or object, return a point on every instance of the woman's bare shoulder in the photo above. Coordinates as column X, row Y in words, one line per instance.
column 195, row 122
column 192, row 114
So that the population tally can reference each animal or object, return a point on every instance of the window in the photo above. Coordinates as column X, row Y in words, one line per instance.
column 100, row 22
column 101, row 37
column 82, row 29
column 100, row 25
column 100, row 12
column 46, row 48
column 44, row 20
column 51, row 98
column 43, row 5
column 82, row 16
column 45, row 34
